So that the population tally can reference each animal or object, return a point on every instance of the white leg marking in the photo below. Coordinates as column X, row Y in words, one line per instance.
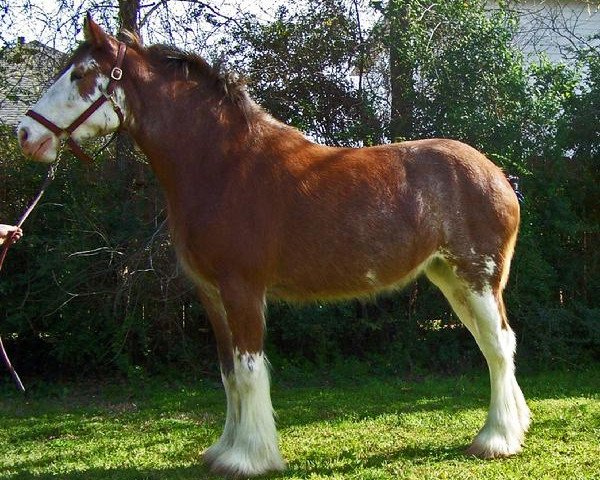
column 248, row 445
column 508, row 416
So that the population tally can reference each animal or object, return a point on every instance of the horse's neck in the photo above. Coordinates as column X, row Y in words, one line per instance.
column 201, row 147
column 187, row 151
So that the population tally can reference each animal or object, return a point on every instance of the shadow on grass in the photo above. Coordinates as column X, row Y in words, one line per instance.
column 196, row 472
column 381, row 397
column 409, row 455
column 299, row 406
column 177, row 473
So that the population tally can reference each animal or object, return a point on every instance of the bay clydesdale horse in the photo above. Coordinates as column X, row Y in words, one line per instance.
column 258, row 211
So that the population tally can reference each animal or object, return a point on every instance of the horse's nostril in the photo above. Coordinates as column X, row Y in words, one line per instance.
column 23, row 135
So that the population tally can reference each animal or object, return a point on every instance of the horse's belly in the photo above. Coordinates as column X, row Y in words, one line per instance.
column 345, row 277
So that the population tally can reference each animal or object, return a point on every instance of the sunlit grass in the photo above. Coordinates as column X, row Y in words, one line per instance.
column 359, row 429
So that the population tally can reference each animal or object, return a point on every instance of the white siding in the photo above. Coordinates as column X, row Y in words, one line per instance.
column 27, row 70
column 556, row 28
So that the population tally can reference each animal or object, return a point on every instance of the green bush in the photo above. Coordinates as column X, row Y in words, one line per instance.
column 94, row 285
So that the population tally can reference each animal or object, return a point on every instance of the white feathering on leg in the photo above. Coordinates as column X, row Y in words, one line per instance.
column 248, row 445
column 508, row 416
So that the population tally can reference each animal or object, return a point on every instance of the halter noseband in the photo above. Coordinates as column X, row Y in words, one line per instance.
column 115, row 75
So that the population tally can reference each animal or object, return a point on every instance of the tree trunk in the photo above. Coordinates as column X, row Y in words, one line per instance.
column 128, row 15
column 128, row 20
column 127, row 171
column 401, row 70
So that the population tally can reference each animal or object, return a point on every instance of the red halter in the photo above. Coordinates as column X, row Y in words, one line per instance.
column 115, row 75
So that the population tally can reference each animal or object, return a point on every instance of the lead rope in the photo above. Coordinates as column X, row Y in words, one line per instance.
column 7, row 243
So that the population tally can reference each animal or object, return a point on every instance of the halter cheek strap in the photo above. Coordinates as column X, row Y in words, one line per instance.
column 115, row 75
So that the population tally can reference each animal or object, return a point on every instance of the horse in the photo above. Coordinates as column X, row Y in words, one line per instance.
column 258, row 211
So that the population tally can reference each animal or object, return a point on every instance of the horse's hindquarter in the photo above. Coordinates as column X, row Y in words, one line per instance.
column 360, row 220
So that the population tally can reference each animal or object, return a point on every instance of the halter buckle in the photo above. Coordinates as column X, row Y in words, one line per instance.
column 116, row 73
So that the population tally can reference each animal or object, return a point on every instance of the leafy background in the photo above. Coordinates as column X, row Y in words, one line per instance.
column 94, row 288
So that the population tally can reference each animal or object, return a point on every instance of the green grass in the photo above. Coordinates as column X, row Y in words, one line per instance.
column 361, row 429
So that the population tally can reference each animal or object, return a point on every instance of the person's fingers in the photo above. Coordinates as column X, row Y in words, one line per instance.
column 16, row 232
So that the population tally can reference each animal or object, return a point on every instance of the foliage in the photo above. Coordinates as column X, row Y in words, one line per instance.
column 367, row 428
column 94, row 285
column 301, row 67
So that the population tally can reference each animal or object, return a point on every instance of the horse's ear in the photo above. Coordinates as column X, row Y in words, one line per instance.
column 93, row 32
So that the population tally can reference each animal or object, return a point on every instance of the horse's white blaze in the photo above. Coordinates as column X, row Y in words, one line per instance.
column 248, row 445
column 63, row 103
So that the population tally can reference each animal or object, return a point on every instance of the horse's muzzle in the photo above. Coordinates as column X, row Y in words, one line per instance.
column 40, row 147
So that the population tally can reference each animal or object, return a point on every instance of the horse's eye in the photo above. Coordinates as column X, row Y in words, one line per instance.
column 76, row 74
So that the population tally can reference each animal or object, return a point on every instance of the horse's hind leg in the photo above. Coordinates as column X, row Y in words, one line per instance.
column 481, row 309
column 248, row 445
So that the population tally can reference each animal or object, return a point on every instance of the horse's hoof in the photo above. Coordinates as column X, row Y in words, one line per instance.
column 234, row 463
column 489, row 445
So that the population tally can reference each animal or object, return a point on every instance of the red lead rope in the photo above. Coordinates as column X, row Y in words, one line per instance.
column 7, row 243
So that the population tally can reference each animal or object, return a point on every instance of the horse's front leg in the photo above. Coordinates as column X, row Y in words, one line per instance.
column 248, row 445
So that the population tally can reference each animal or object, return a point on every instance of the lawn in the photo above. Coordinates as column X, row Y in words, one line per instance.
column 363, row 428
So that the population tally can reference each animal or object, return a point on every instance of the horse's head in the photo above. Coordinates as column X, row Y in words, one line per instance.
column 85, row 101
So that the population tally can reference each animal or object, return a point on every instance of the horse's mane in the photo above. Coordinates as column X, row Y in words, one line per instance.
column 193, row 66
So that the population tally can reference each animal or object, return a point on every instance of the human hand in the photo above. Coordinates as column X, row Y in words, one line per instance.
column 7, row 230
